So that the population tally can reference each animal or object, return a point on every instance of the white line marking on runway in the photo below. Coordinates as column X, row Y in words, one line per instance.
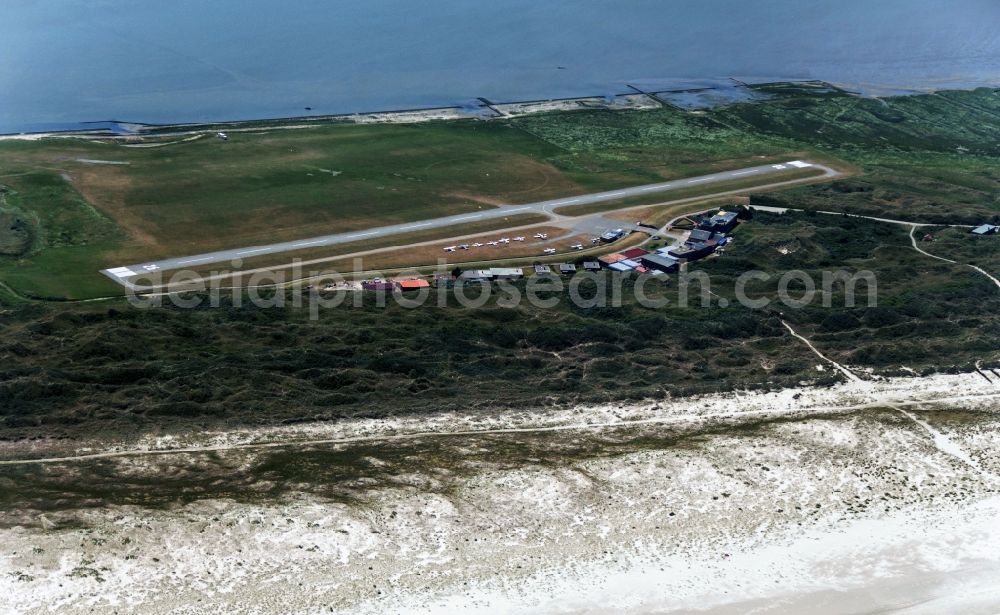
column 194, row 260
column 520, row 209
column 745, row 172
column 468, row 218
column 695, row 181
column 254, row 251
column 121, row 272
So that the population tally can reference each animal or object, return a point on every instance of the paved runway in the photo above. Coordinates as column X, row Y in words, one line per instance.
column 124, row 273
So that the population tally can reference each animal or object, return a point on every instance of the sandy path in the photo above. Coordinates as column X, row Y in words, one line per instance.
column 846, row 372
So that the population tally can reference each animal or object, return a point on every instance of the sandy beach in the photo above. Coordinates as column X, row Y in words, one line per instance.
column 746, row 502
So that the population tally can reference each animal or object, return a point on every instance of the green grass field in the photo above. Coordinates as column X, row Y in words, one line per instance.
column 932, row 157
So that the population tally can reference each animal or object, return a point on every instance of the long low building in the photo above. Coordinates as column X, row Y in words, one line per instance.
column 660, row 262
column 506, row 273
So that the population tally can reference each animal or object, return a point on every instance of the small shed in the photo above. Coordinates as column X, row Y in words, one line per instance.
column 567, row 268
column 543, row 270
column 592, row 266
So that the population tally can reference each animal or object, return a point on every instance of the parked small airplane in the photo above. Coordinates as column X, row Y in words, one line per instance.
column 549, row 250
column 464, row 246
column 577, row 246
column 505, row 240
column 492, row 243
column 477, row 245
column 519, row 239
column 451, row 248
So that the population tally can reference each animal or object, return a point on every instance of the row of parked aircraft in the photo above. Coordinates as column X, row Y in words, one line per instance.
column 507, row 240
column 496, row 242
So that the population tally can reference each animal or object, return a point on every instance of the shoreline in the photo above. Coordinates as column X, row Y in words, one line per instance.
column 634, row 99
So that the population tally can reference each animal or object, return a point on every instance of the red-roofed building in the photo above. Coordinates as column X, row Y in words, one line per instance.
column 635, row 253
column 413, row 284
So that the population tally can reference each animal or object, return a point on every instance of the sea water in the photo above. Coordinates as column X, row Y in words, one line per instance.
column 63, row 62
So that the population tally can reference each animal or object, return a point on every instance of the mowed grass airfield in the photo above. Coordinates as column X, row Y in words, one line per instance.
column 70, row 208
column 100, row 204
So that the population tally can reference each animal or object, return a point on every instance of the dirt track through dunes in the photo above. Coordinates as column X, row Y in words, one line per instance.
column 913, row 240
column 846, row 372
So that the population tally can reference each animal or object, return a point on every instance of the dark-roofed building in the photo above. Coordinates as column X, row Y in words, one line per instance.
column 543, row 270
column 986, row 229
column 378, row 285
column 592, row 266
column 722, row 222
column 567, row 268
column 613, row 235
column 659, row 262
column 699, row 234
column 692, row 251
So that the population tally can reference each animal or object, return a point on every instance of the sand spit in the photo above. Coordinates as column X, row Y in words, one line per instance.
column 863, row 511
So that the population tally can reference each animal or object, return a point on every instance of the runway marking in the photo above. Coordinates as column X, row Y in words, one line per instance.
column 521, row 208
column 310, row 243
column 468, row 218
column 746, row 172
column 194, row 260
column 409, row 226
column 121, row 272
column 700, row 179
column 254, row 251
column 799, row 164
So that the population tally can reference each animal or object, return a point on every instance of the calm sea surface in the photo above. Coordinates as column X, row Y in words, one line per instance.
column 68, row 61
